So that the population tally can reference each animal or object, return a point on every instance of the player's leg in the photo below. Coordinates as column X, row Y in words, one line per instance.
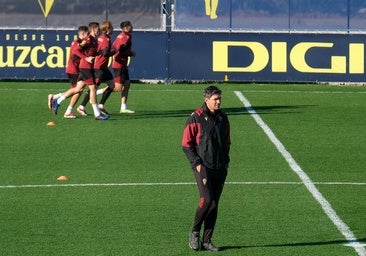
column 86, row 75
column 74, row 81
column 59, row 98
column 81, row 108
column 68, row 113
column 125, row 91
column 93, row 101
column 108, row 78
column 118, row 78
column 118, row 87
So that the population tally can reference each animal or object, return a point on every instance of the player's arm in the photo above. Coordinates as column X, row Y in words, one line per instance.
column 77, row 51
column 124, row 47
column 103, row 48
column 105, row 52
column 227, row 143
column 116, row 45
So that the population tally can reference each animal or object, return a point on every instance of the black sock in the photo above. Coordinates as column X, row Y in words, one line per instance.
column 86, row 99
column 106, row 95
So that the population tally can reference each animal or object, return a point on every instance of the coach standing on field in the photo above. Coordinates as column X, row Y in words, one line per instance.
column 206, row 143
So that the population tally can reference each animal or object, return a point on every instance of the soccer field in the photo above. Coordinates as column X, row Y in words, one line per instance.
column 296, row 183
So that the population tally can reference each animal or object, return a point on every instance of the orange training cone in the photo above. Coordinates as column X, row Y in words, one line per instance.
column 62, row 178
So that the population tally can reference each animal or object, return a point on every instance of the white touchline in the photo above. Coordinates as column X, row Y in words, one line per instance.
column 328, row 209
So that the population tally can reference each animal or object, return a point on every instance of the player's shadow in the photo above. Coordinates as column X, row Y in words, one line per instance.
column 229, row 111
column 157, row 114
column 335, row 242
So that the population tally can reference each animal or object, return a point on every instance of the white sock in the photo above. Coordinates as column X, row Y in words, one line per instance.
column 96, row 110
column 61, row 99
column 56, row 96
column 100, row 91
column 68, row 110
column 123, row 106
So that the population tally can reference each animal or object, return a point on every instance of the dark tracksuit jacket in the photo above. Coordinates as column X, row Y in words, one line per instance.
column 206, row 139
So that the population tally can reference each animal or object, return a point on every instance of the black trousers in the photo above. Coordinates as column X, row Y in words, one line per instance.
column 210, row 185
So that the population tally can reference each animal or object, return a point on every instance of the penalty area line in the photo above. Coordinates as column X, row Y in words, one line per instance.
column 309, row 184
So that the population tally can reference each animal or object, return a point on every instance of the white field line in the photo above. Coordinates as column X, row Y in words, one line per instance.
column 156, row 184
column 327, row 208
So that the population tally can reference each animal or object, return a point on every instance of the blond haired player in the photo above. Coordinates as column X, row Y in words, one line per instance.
column 102, row 73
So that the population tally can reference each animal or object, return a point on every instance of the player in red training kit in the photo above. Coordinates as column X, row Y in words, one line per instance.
column 102, row 73
column 72, row 70
column 89, row 46
column 123, row 47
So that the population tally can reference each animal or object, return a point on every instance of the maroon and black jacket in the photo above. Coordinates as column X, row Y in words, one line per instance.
column 206, row 139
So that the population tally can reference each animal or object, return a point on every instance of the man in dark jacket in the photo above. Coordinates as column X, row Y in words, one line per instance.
column 206, row 143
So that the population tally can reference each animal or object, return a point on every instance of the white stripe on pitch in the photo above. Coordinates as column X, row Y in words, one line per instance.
column 132, row 184
column 328, row 209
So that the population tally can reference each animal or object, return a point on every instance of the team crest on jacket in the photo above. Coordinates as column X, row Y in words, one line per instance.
column 204, row 181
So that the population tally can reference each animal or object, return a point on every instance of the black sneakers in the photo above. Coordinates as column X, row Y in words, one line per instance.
column 194, row 240
column 209, row 246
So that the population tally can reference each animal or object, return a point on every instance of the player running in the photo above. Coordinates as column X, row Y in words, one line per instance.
column 89, row 47
column 102, row 73
column 123, row 47
column 72, row 70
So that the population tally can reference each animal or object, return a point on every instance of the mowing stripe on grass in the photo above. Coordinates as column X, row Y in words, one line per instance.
column 328, row 209
column 186, row 90
column 304, row 92
column 132, row 184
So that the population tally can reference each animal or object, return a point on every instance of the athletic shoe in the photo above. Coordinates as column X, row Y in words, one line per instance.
column 209, row 246
column 126, row 111
column 50, row 101
column 194, row 240
column 55, row 106
column 102, row 117
column 102, row 109
column 69, row 116
column 81, row 111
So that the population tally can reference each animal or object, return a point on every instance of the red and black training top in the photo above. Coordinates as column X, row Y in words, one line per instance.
column 123, row 47
column 90, row 49
column 206, row 139
column 104, row 52
column 74, row 58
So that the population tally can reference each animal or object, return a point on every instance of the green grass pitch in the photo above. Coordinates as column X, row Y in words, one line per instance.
column 130, row 189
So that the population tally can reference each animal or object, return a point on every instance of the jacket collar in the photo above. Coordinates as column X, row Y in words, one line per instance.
column 208, row 112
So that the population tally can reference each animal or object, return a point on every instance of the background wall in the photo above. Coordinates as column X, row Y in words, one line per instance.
column 245, row 40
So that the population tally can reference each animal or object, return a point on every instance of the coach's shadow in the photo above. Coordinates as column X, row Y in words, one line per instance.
column 335, row 242
column 275, row 109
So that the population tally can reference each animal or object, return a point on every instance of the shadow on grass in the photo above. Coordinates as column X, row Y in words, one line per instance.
column 228, row 111
column 335, row 242
column 279, row 109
